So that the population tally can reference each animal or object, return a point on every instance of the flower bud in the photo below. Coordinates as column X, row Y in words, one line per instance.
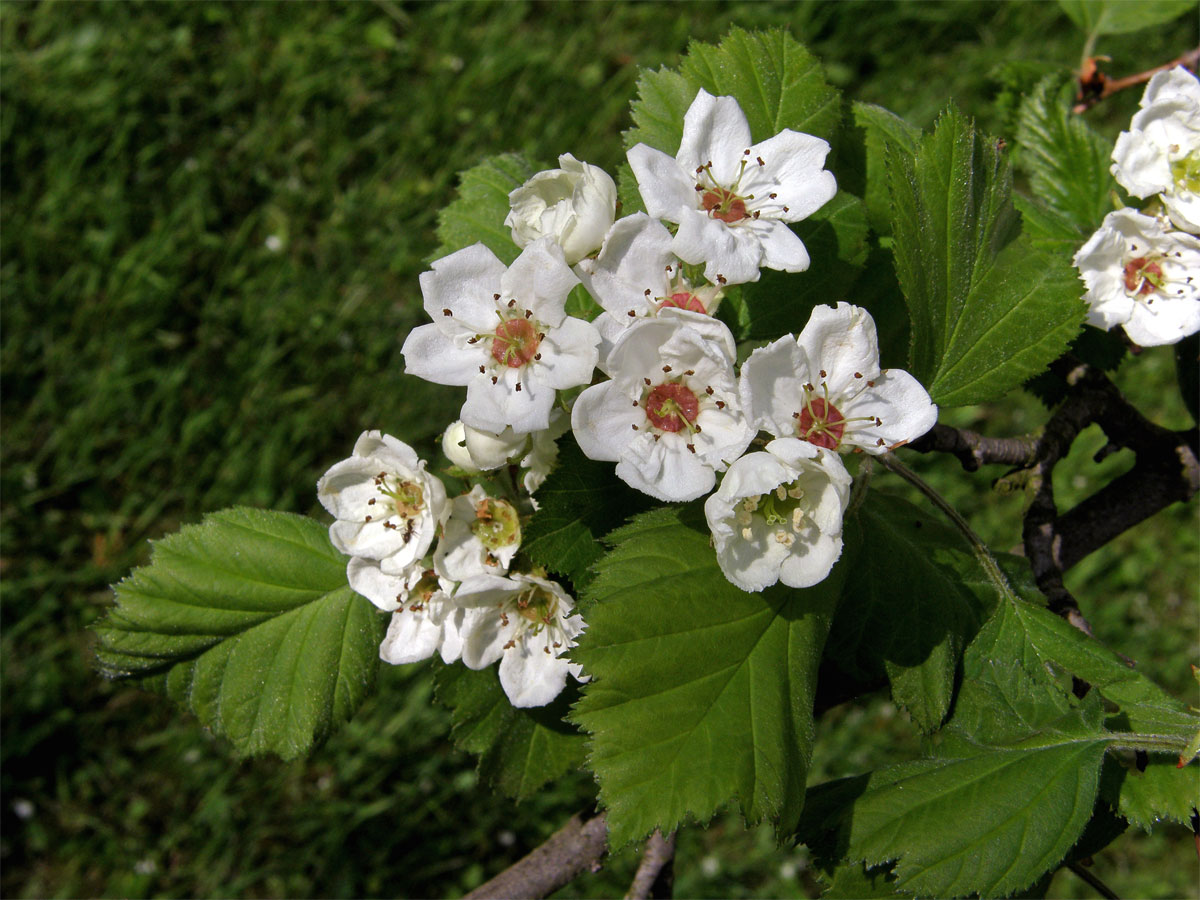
column 574, row 205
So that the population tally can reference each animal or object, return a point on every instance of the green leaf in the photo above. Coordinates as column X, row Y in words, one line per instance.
column 1096, row 17
column 247, row 619
column 882, row 129
column 1066, row 160
column 775, row 80
column 987, row 312
column 1027, row 808
column 701, row 692
column 478, row 212
column 1162, row 791
column 580, row 501
column 906, row 572
column 856, row 882
column 519, row 750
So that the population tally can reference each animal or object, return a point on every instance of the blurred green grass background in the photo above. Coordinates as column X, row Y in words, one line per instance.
column 214, row 216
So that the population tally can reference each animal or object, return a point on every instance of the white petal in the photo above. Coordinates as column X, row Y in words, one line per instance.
column 367, row 578
column 464, row 282
column 1163, row 322
column 494, row 407
column 795, row 162
column 727, row 253
column 842, row 341
column 715, row 131
column 484, row 637
column 771, row 386
column 411, row 637
column 529, row 676
column 602, row 421
column 900, row 402
column 430, row 354
column 810, row 560
column 665, row 187
column 569, row 354
column 782, row 250
column 540, row 279
column 665, row 469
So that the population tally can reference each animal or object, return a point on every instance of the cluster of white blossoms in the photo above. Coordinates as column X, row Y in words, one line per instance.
column 670, row 408
column 1142, row 269
column 441, row 568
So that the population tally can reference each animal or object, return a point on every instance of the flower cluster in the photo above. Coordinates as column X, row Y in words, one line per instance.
column 672, row 410
column 1141, row 268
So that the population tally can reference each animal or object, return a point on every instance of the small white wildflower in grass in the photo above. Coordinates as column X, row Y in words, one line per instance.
column 670, row 417
column 479, row 538
column 1160, row 154
column 732, row 199
column 1143, row 277
column 573, row 205
column 384, row 502
column 826, row 387
column 523, row 621
column 777, row 515
column 504, row 333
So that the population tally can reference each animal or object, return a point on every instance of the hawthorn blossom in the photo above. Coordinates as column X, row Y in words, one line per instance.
column 384, row 502
column 731, row 198
column 475, row 450
column 425, row 619
column 479, row 537
column 573, row 205
column 1143, row 277
column 826, row 387
column 637, row 275
column 504, row 333
column 777, row 515
column 670, row 417
column 1160, row 154
column 523, row 621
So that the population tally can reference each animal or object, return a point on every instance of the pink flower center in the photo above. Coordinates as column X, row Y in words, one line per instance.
column 672, row 407
column 724, row 205
column 1143, row 276
column 684, row 300
column 821, row 424
column 516, row 343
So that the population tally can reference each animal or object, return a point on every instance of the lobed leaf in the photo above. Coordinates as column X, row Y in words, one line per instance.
column 479, row 210
column 906, row 569
column 1097, row 17
column 248, row 620
column 1067, row 161
column 701, row 692
column 519, row 750
column 987, row 311
column 775, row 80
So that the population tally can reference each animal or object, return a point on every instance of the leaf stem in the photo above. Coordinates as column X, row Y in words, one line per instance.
column 1154, row 743
column 1099, row 886
column 990, row 567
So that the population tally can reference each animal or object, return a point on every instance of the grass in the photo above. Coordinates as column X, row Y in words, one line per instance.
column 214, row 219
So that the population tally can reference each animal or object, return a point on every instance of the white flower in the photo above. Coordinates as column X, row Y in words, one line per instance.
column 425, row 620
column 475, row 450
column 670, row 417
column 504, row 333
column 730, row 198
column 1142, row 277
column 522, row 621
column 637, row 275
column 826, row 387
column 479, row 538
column 1161, row 151
column 384, row 502
column 777, row 516
column 573, row 205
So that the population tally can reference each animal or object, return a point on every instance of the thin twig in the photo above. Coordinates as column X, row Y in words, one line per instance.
column 1096, row 86
column 578, row 845
column 655, row 876
column 1099, row 886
